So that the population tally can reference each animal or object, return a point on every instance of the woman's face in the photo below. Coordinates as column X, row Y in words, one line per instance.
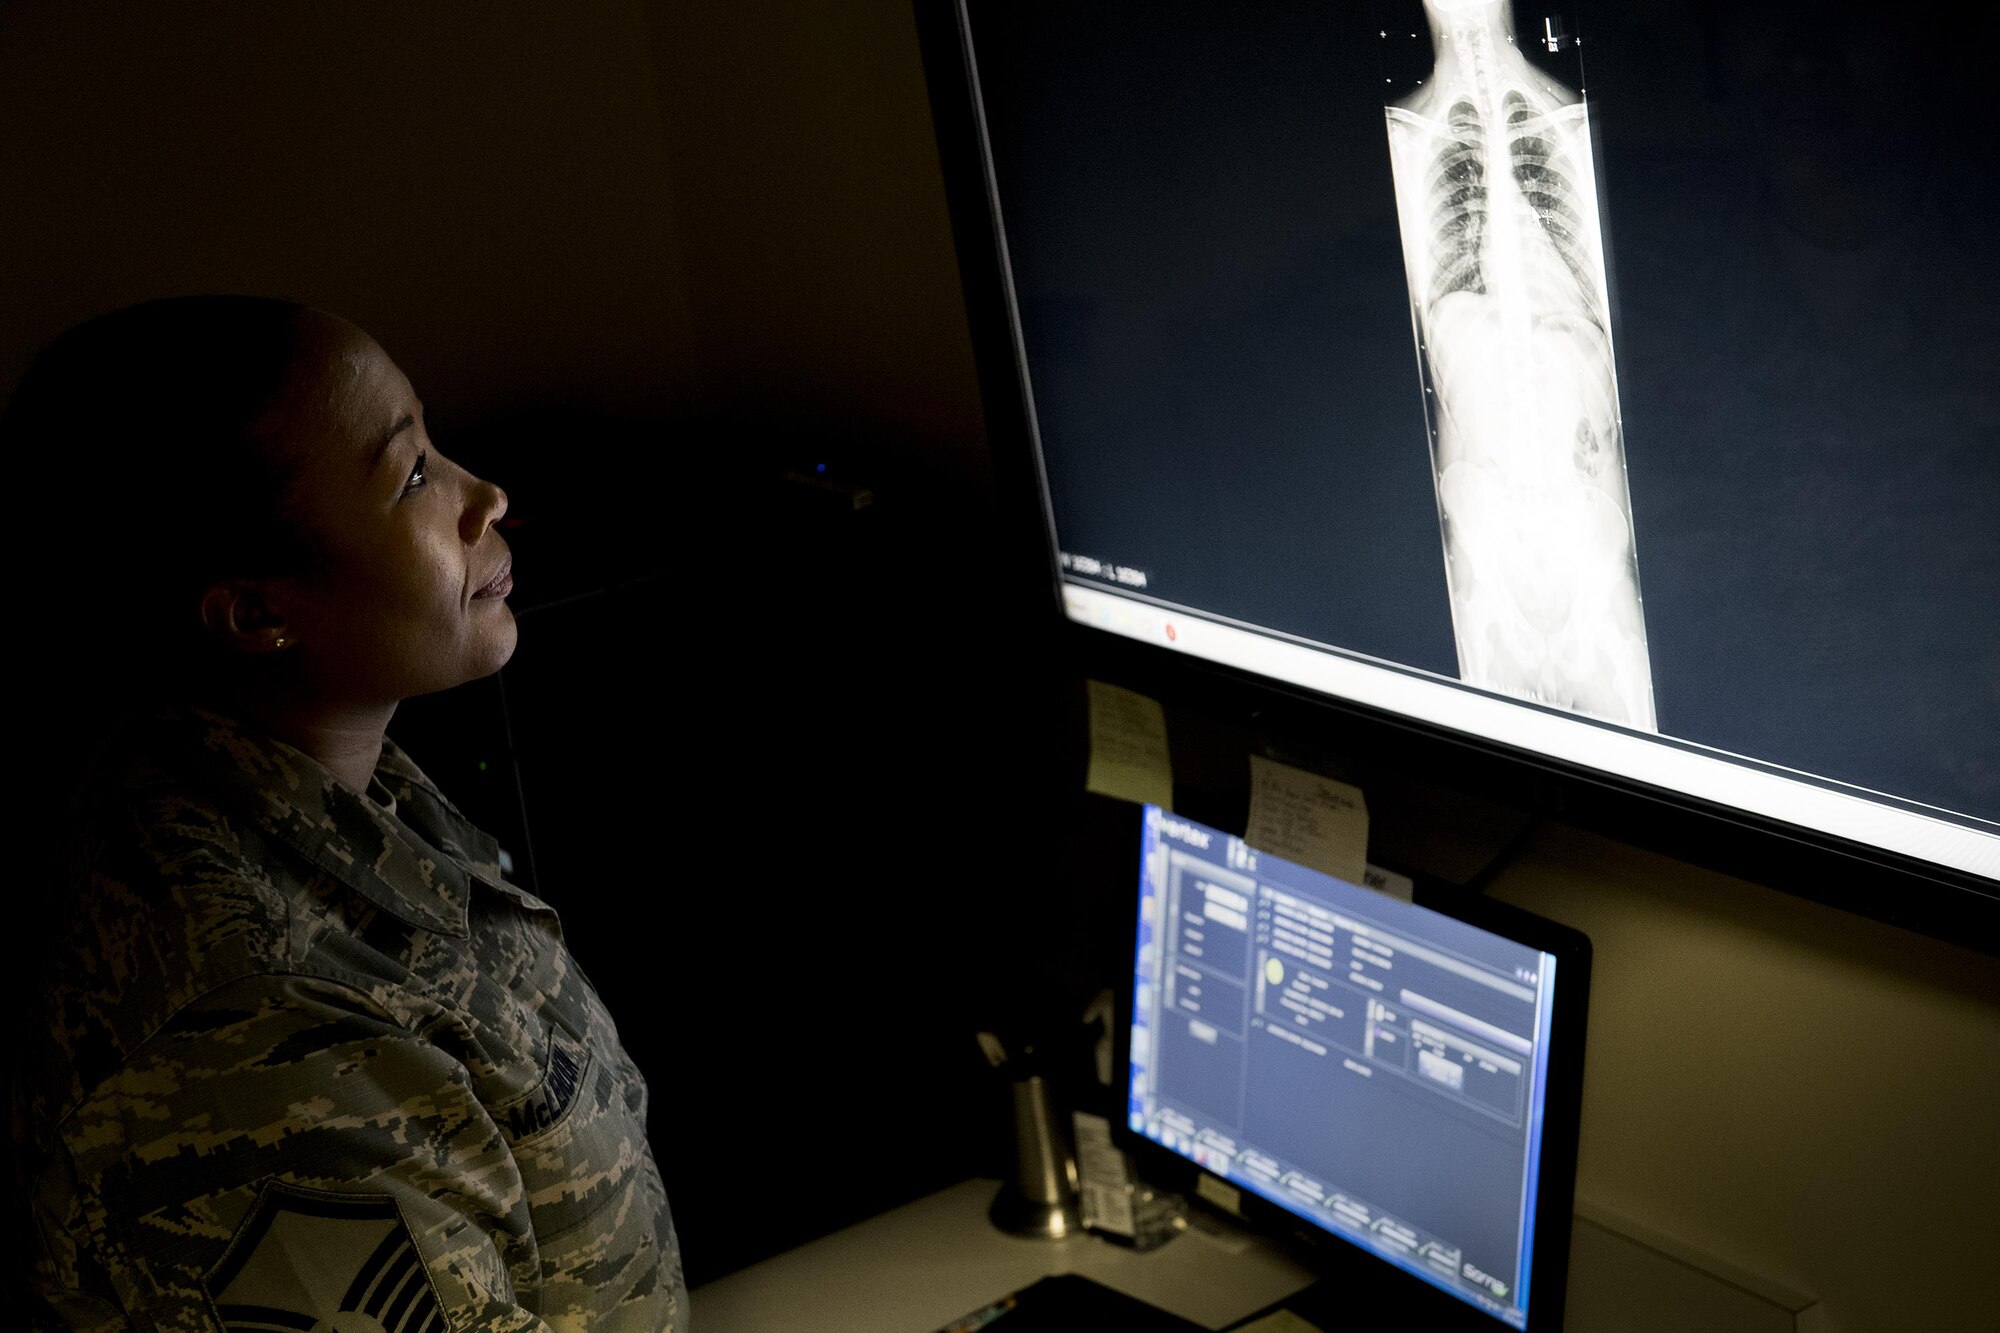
column 408, row 595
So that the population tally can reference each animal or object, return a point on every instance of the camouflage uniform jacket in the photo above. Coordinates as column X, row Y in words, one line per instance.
column 312, row 1062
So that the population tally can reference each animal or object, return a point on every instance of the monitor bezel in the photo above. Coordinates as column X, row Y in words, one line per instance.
column 1932, row 898
column 1334, row 1256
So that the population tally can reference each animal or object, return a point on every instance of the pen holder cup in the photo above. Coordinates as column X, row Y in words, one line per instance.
column 1039, row 1198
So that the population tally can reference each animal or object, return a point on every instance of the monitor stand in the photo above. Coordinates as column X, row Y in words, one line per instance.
column 1332, row 1304
column 1342, row 1301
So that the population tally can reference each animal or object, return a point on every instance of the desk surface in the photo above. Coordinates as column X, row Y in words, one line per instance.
column 915, row 1269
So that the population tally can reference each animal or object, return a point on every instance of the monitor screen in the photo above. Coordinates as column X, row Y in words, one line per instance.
column 1377, row 1069
column 1614, row 383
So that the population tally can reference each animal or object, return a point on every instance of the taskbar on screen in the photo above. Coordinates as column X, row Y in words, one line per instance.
column 1353, row 1220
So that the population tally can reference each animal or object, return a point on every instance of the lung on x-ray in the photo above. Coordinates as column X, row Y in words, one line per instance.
column 1497, row 203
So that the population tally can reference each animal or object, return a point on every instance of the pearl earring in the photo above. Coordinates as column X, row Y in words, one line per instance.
column 280, row 643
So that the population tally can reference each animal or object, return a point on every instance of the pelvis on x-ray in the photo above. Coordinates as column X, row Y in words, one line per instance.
column 1505, row 255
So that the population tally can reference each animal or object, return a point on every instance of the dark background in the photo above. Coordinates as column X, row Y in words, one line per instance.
column 1801, row 211
column 774, row 812
column 639, row 256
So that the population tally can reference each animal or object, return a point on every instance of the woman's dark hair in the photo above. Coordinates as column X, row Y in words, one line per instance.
column 135, row 431
column 138, row 480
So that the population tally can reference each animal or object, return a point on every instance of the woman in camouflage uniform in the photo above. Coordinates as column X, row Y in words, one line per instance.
column 304, row 1058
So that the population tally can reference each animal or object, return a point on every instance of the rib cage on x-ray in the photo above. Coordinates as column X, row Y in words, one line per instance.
column 1501, row 239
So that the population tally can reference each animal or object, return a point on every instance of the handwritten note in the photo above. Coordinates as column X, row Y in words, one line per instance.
column 1391, row 883
column 1128, row 747
column 1308, row 819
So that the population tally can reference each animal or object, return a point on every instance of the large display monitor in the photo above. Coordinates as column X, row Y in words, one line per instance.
column 1399, row 1082
column 1614, row 386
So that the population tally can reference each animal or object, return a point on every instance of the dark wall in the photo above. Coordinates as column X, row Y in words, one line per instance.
column 820, row 270
column 482, row 186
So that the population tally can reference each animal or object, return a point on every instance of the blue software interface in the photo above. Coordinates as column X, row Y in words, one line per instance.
column 1374, row 1067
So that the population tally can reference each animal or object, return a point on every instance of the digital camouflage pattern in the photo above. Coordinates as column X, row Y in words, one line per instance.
column 313, row 1062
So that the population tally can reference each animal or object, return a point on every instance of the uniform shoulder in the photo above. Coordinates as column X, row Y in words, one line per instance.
column 169, row 896
column 160, row 845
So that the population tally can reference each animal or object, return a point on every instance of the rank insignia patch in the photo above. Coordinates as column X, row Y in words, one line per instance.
column 323, row 1262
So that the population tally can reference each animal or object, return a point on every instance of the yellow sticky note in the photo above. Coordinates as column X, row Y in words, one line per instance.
column 1128, row 747
column 1278, row 1321
column 1305, row 818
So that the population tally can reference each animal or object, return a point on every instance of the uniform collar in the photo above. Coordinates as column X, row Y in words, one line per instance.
column 417, row 864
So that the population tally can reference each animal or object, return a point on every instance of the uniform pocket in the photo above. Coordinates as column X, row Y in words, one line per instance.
column 575, row 1139
column 621, row 1273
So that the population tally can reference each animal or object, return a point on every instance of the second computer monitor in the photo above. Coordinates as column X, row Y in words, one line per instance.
column 1387, row 1074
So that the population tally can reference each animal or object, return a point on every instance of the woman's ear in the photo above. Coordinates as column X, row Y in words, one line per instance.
column 239, row 613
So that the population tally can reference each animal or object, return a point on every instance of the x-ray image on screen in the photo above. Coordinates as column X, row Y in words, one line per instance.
column 1219, row 232
column 1497, row 204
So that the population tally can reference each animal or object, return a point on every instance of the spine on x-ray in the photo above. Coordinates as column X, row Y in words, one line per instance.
column 1505, row 258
